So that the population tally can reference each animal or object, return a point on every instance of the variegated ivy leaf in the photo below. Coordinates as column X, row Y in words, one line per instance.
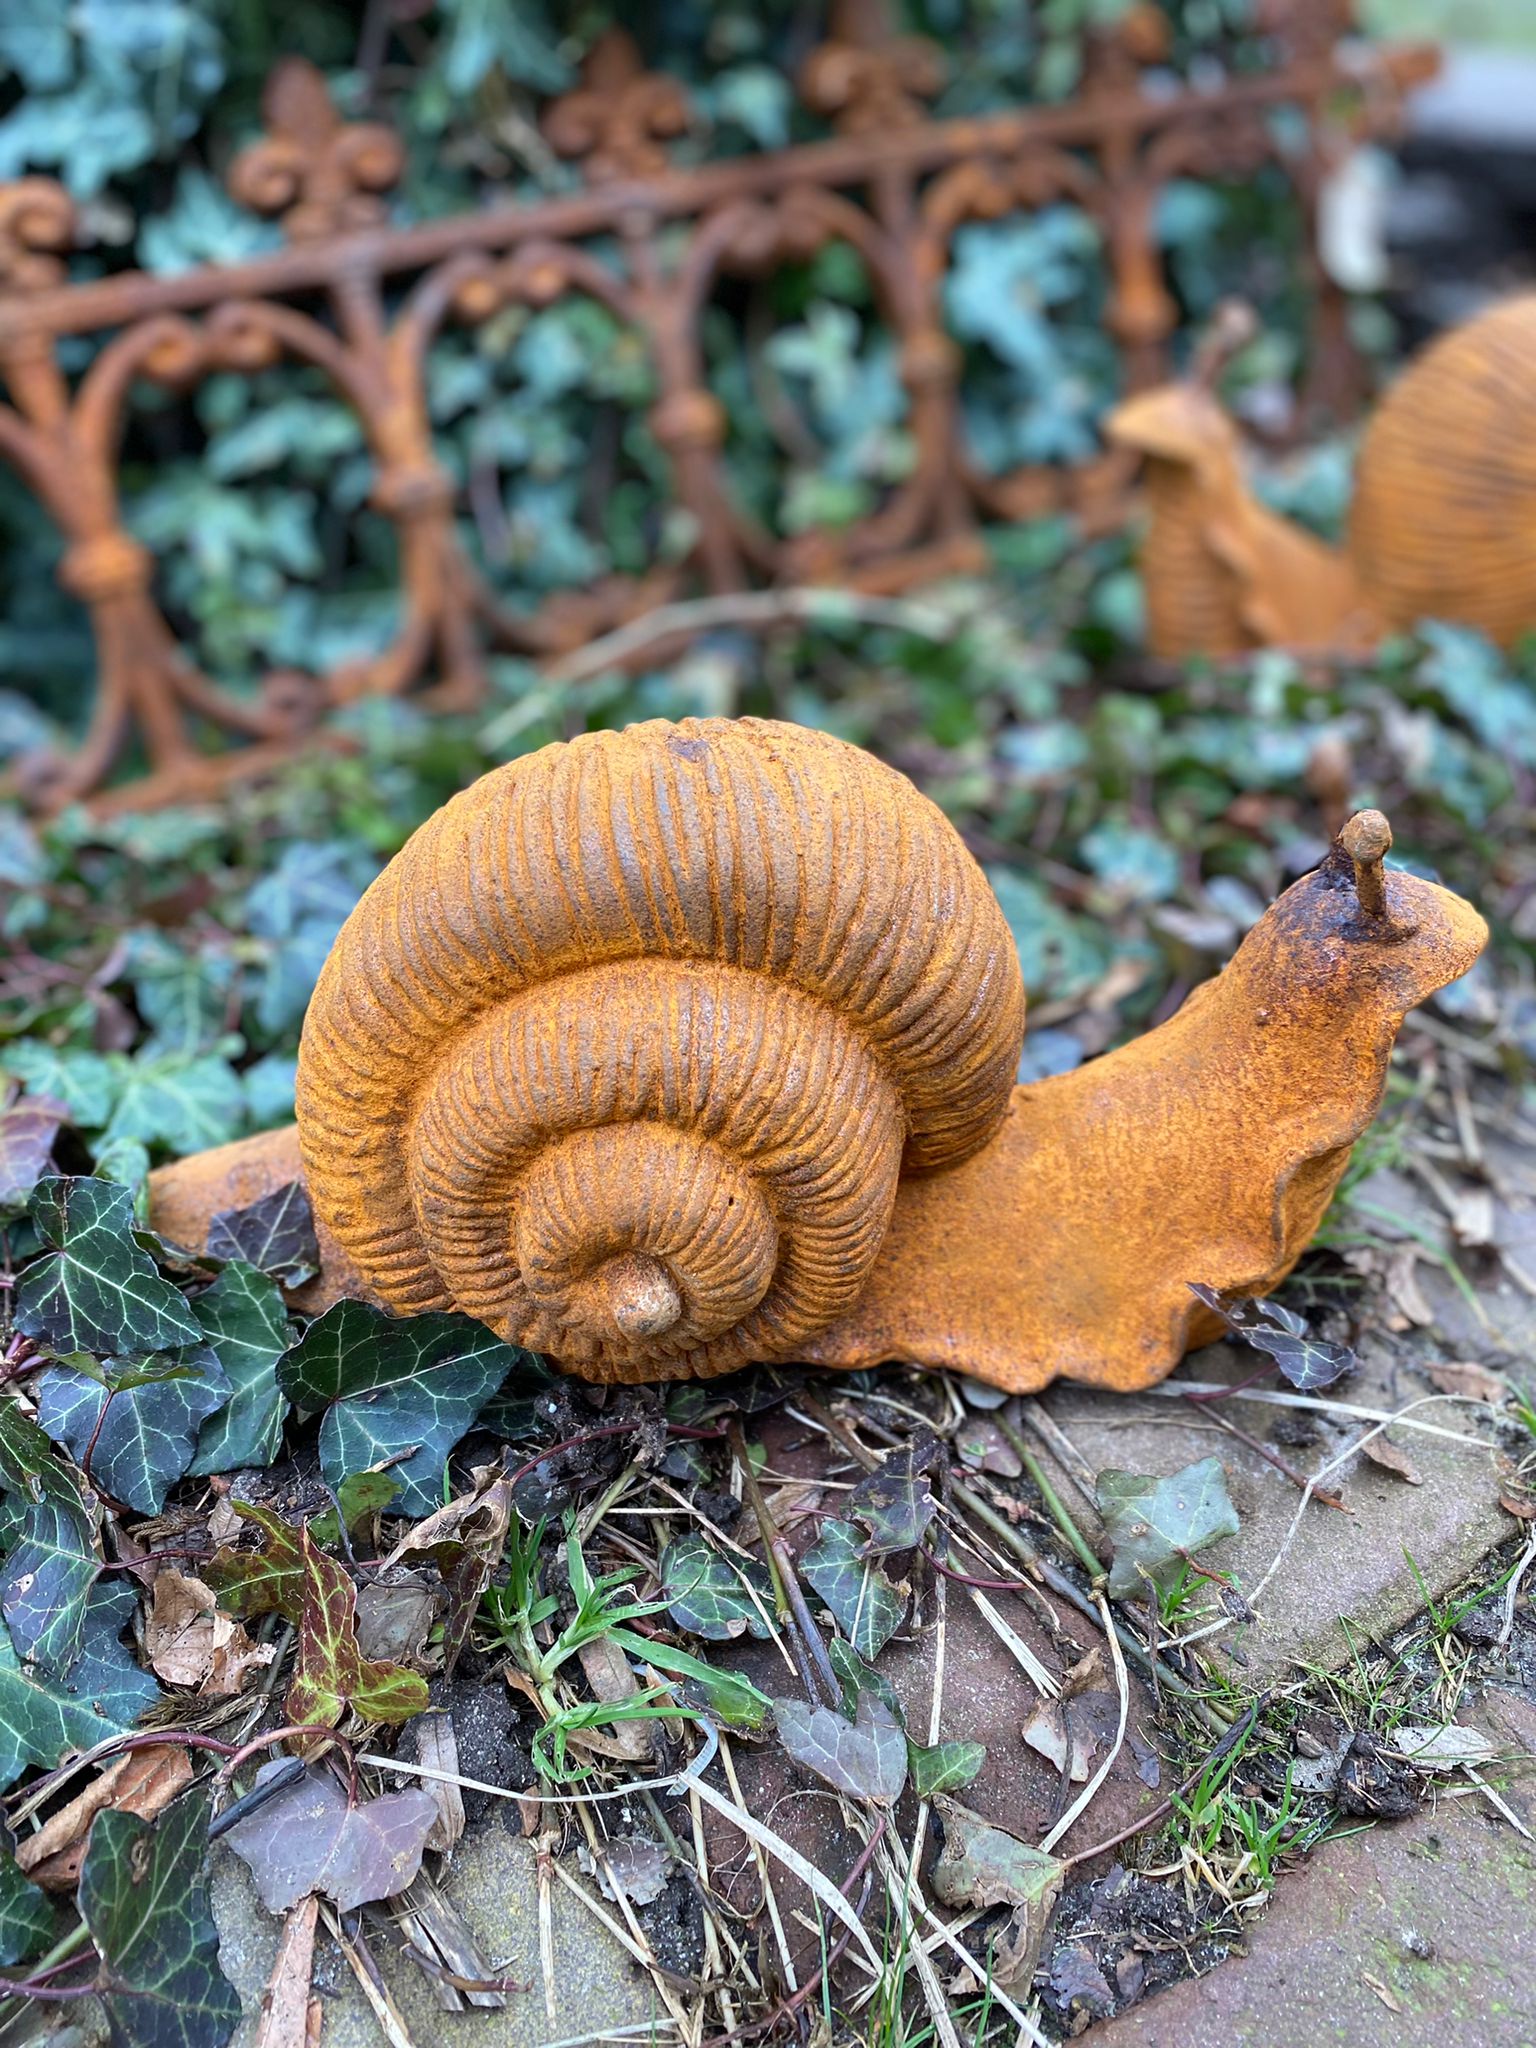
column 94, row 1290
column 276, row 1235
column 331, row 1673
column 265, row 1581
column 144, row 1897
column 711, row 1594
column 103, row 1693
column 391, row 1384
column 864, row 1603
column 271, row 1580
column 138, row 1430
column 243, row 1317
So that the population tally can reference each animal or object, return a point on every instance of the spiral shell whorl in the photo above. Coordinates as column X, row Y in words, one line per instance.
column 625, row 1051
column 1443, row 523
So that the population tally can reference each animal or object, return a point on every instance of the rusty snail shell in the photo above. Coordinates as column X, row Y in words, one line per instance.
column 1443, row 522
column 626, row 1052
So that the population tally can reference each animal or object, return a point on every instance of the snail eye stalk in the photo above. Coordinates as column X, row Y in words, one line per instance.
column 1367, row 839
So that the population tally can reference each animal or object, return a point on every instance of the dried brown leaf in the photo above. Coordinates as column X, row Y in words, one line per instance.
column 144, row 1783
column 1474, row 1382
column 190, row 1643
column 287, row 2001
column 1380, row 1451
column 608, row 1672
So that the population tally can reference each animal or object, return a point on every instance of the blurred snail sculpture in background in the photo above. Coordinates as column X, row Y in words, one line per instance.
column 1442, row 525
column 668, row 1050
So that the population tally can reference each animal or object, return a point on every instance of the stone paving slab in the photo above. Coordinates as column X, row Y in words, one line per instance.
column 1351, row 1566
column 492, row 1882
column 1417, row 1936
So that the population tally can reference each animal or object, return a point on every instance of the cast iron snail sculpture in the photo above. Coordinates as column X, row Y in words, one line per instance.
column 676, row 1048
column 1442, row 524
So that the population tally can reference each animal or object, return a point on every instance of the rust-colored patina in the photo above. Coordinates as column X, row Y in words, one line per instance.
column 1443, row 523
column 650, row 240
column 672, row 1049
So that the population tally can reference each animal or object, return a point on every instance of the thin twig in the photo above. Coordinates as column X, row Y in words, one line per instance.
column 1237, row 1733
column 813, row 605
column 786, row 1581
column 1297, row 1477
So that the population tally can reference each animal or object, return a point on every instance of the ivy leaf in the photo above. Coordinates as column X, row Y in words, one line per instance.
column 271, row 1580
column 144, row 1897
column 276, row 1235
column 311, row 1837
column 864, row 1603
column 105, row 1674
column 26, row 1917
column 330, row 1671
column 95, row 1290
column 706, row 1592
column 84, row 1082
column 243, row 1317
column 1308, row 1362
column 895, row 1502
column 394, row 1383
column 28, row 1128
column 105, row 1694
column 983, row 1866
column 51, row 1568
column 855, row 1677
column 27, row 1463
column 946, row 1767
column 265, row 1581
column 1155, row 1523
column 865, row 1757
column 187, row 1104
column 139, row 1433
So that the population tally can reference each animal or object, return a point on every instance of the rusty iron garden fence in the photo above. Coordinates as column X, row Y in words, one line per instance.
column 363, row 300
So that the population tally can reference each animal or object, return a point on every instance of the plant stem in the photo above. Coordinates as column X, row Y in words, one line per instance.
column 1054, row 1506
column 786, row 1583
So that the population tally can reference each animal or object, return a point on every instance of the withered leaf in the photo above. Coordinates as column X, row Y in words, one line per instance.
column 1474, row 1382
column 188, row 1641
column 143, row 1782
column 311, row 1838
column 982, row 1865
column 634, row 1867
column 1387, row 1455
column 865, row 1757
column 1308, row 1362
column 330, row 1671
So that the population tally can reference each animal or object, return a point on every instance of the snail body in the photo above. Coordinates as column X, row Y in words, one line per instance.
column 1442, row 523
column 692, row 1046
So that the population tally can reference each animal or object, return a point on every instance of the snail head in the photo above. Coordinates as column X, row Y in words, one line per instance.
column 1356, row 939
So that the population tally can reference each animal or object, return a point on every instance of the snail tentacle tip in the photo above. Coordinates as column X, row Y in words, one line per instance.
column 1367, row 839
column 1367, row 836
column 642, row 1296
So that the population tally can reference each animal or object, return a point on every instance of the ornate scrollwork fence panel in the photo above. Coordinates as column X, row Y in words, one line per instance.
column 362, row 301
